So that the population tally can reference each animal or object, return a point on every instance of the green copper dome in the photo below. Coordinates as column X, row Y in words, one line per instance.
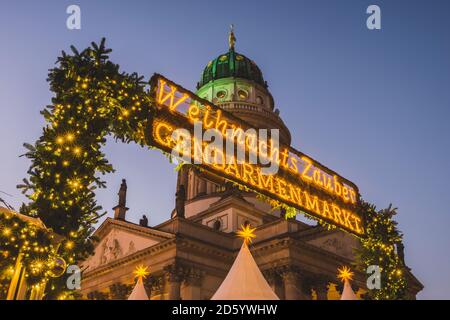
column 231, row 64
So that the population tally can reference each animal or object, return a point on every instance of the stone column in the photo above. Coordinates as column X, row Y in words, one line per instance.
column 193, row 283
column 190, row 185
column 174, row 277
column 275, row 283
column 292, row 290
column 174, row 287
column 201, row 186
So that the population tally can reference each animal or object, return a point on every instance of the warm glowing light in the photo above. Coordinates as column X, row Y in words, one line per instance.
column 288, row 191
column 345, row 273
column 77, row 151
column 141, row 272
column 70, row 137
column 302, row 183
column 247, row 233
column 172, row 97
column 6, row 231
column 69, row 245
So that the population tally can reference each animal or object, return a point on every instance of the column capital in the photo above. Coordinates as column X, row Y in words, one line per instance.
column 193, row 276
column 174, row 272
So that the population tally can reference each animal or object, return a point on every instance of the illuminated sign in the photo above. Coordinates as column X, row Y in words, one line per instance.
column 301, row 182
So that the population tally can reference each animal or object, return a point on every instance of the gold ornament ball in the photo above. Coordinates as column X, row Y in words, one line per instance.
column 57, row 267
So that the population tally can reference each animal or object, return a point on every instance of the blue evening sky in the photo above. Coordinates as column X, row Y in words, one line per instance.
column 372, row 105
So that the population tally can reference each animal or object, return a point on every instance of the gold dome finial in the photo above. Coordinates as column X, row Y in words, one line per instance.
column 231, row 38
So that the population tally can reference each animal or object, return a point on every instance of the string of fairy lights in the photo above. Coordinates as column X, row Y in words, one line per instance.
column 94, row 99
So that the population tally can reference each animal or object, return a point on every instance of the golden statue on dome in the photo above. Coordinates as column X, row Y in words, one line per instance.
column 231, row 38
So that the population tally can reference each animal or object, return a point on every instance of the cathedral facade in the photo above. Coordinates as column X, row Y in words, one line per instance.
column 190, row 254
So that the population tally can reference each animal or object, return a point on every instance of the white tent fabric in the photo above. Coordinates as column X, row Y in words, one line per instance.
column 138, row 292
column 244, row 281
column 347, row 293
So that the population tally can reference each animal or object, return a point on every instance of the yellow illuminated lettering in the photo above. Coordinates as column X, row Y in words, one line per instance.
column 170, row 95
column 312, row 204
column 294, row 167
column 352, row 196
column 326, row 181
column 158, row 131
column 306, row 169
column 337, row 214
column 265, row 181
column 193, row 112
column 221, row 123
column 346, row 215
column 326, row 212
column 284, row 158
column 247, row 173
column 207, row 124
column 317, row 178
column 357, row 225
column 282, row 188
column 295, row 194
column 345, row 193
column 337, row 186
column 233, row 170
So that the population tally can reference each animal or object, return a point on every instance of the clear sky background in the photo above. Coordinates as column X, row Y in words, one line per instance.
column 372, row 105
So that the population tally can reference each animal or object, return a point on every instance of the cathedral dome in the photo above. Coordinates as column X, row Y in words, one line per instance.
column 232, row 64
column 235, row 83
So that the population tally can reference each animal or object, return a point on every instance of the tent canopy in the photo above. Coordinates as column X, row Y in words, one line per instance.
column 347, row 293
column 244, row 280
column 138, row 292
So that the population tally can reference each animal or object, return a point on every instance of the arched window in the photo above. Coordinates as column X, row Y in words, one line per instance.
column 259, row 100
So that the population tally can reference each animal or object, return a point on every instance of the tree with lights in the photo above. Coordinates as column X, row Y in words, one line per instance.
column 92, row 99
column 29, row 253
column 380, row 248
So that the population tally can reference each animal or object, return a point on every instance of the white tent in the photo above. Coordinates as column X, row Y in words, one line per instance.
column 138, row 292
column 244, row 281
column 347, row 293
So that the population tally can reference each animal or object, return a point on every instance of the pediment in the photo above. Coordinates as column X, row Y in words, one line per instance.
column 118, row 240
column 337, row 242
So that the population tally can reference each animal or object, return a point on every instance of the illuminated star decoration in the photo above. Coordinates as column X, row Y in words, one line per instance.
column 141, row 272
column 345, row 273
column 247, row 233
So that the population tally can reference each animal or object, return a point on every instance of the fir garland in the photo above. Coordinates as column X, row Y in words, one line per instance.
column 92, row 99
column 379, row 248
column 33, row 243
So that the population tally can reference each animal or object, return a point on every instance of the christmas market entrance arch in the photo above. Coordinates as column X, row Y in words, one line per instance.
column 94, row 99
